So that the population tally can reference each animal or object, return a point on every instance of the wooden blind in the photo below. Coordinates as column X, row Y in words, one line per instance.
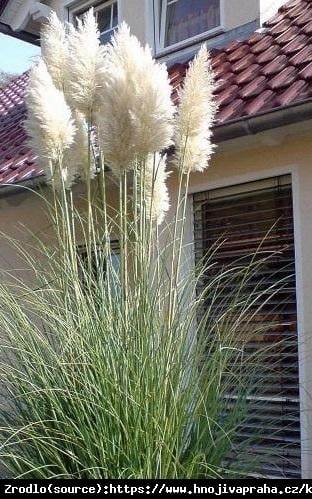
column 252, row 216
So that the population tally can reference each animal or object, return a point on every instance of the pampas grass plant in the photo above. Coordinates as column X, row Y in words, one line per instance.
column 113, row 364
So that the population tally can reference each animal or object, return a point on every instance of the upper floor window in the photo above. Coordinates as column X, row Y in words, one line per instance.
column 106, row 14
column 182, row 20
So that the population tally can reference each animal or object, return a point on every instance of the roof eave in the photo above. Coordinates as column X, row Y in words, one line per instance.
column 21, row 35
column 275, row 118
column 27, row 185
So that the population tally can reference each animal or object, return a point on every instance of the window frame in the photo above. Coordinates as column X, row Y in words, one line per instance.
column 160, row 16
column 83, row 6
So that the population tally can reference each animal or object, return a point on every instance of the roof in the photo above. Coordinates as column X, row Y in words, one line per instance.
column 17, row 162
column 269, row 70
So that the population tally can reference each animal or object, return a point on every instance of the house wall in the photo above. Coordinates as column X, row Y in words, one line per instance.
column 139, row 14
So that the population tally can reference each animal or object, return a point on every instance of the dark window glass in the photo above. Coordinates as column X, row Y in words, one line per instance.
column 188, row 18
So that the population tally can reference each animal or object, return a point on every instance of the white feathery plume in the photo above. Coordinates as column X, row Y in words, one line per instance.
column 156, row 191
column 136, row 114
column 49, row 123
column 86, row 64
column 54, row 49
column 195, row 116
column 77, row 158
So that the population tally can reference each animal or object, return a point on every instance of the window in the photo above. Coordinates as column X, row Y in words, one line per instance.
column 245, row 217
column 106, row 14
column 98, row 263
column 186, row 19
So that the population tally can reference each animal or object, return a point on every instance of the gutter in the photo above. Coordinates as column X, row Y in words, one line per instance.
column 278, row 117
column 7, row 190
column 21, row 35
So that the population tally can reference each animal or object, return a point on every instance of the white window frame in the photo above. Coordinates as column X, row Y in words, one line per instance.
column 81, row 6
column 160, row 28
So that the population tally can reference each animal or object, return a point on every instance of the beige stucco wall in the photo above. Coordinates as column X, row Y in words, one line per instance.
column 239, row 12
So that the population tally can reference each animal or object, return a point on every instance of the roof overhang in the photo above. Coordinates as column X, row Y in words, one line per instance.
column 22, row 18
column 21, row 35
column 268, row 120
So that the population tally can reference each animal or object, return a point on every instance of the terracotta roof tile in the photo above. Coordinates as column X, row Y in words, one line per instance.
column 304, row 18
column 254, row 88
column 264, row 43
column 269, row 54
column 275, row 66
column 227, row 96
column 272, row 68
column 283, row 79
column 297, row 91
column 302, row 57
column 296, row 44
column 243, row 63
column 306, row 73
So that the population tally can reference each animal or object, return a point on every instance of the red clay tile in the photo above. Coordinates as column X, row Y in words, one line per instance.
column 255, row 37
column 275, row 66
column 239, row 53
column 27, row 173
column 218, row 59
column 254, row 88
column 264, row 101
column 296, row 44
column 283, row 79
column 225, row 82
column 306, row 72
column 227, row 96
column 232, row 46
column 248, row 74
column 288, row 35
column 232, row 111
column 223, row 69
column 277, row 18
column 304, row 18
column 307, row 28
column 262, row 45
column 269, row 54
column 243, row 63
column 296, row 11
column 302, row 57
column 281, row 27
column 290, row 5
column 296, row 91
